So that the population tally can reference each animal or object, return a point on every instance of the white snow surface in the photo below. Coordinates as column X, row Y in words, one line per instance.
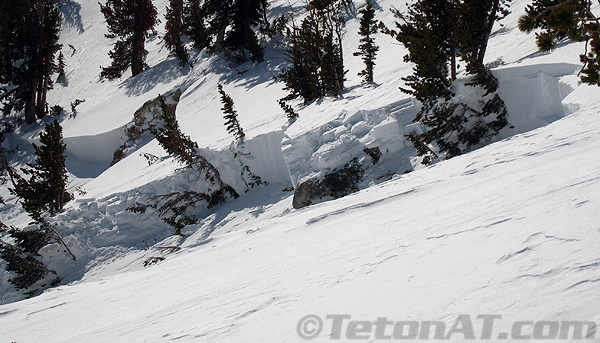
column 511, row 229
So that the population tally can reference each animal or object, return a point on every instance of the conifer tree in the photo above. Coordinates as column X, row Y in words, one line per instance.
column 194, row 24
column 368, row 48
column 315, row 54
column 289, row 111
column 559, row 19
column 176, row 143
column 60, row 69
column 29, row 33
column 23, row 261
column 230, row 115
column 129, row 22
column 45, row 189
column 227, row 26
column 174, row 31
column 436, row 32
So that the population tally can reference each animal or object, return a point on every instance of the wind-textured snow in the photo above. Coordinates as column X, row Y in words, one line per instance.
column 511, row 229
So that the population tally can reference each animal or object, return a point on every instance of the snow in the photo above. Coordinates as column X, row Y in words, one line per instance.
column 509, row 229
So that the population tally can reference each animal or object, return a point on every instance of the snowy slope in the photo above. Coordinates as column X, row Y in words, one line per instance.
column 509, row 229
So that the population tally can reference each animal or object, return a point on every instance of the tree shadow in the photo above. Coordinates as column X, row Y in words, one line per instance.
column 71, row 12
column 164, row 72
column 538, row 53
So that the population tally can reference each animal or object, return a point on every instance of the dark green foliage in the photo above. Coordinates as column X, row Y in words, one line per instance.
column 559, row 19
column 60, row 69
column 138, row 208
column 252, row 180
column 344, row 181
column 374, row 153
column 29, row 33
column 176, row 143
column 367, row 48
column 174, row 31
column 241, row 38
column 45, row 189
column 153, row 260
column 56, row 110
column 230, row 115
column 590, row 73
column 193, row 24
column 436, row 32
column 172, row 207
column 315, row 54
column 173, row 140
column 179, row 222
column 227, row 26
column 422, row 148
column 22, row 256
column 31, row 241
column 129, row 21
column 289, row 110
column 28, row 269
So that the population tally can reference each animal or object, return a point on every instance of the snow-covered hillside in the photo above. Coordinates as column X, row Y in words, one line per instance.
column 510, row 229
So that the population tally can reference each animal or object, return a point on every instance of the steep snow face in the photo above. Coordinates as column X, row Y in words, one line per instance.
column 510, row 229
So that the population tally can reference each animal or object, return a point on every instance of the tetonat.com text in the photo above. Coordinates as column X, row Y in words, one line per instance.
column 463, row 328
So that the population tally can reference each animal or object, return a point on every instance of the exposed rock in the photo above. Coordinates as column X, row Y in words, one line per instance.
column 306, row 192
column 145, row 119
column 336, row 184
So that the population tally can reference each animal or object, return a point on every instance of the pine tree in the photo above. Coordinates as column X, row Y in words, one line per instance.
column 559, row 19
column 245, row 16
column 227, row 26
column 45, row 189
column 368, row 48
column 60, row 69
column 289, row 111
column 315, row 54
column 194, row 25
column 128, row 21
column 230, row 115
column 28, row 268
column 176, row 143
column 29, row 33
column 174, row 31
column 436, row 32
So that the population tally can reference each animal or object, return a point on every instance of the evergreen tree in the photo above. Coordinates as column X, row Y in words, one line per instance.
column 227, row 26
column 45, row 189
column 289, row 111
column 194, row 25
column 29, row 33
column 28, row 268
column 60, row 69
column 230, row 115
column 315, row 54
column 128, row 21
column 22, row 256
column 435, row 32
column 559, row 19
column 176, row 143
column 174, row 28
column 368, row 48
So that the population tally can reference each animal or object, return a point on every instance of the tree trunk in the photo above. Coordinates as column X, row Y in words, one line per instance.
column 137, row 58
column 490, row 25
column 30, row 108
column 42, row 96
column 220, row 37
column 453, row 65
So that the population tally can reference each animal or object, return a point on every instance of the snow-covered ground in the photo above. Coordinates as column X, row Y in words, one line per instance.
column 511, row 229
